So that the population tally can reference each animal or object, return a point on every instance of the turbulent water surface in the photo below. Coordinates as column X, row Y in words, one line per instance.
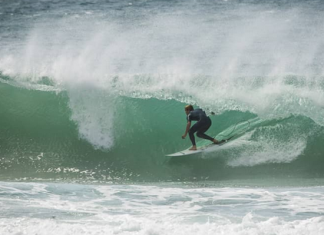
column 92, row 97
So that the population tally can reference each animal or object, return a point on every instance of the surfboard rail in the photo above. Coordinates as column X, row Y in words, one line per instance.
column 201, row 149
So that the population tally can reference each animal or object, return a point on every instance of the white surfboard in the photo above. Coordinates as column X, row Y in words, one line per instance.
column 202, row 149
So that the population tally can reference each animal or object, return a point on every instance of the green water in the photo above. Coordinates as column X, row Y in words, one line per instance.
column 40, row 140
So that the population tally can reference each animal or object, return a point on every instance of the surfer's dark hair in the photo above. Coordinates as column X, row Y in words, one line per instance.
column 189, row 107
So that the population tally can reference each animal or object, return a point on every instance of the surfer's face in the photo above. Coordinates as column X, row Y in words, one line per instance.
column 187, row 111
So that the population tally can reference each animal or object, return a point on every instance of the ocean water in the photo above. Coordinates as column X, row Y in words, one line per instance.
column 92, row 97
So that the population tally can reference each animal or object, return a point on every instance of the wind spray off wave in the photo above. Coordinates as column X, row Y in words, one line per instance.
column 120, row 80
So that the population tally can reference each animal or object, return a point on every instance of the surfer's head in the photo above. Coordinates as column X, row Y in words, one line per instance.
column 188, row 108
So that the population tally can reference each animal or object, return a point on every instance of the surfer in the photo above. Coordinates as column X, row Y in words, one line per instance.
column 201, row 126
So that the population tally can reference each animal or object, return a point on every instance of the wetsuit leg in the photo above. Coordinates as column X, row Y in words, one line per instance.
column 192, row 131
column 203, row 129
column 200, row 127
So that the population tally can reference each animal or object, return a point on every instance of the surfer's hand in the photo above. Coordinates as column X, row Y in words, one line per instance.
column 184, row 136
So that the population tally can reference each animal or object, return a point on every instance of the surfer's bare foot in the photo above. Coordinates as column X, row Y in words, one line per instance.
column 216, row 141
column 193, row 148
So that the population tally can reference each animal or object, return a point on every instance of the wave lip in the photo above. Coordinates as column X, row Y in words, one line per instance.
column 102, row 91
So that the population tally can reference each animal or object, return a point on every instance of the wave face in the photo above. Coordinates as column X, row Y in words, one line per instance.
column 96, row 91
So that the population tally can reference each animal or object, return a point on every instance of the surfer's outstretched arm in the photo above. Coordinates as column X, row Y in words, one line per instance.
column 187, row 130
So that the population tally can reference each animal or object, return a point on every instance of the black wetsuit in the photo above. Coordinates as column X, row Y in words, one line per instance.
column 201, row 126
